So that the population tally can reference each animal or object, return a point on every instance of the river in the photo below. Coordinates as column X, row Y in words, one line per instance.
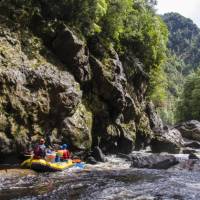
column 113, row 180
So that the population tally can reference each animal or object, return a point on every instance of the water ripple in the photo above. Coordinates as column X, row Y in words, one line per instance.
column 114, row 180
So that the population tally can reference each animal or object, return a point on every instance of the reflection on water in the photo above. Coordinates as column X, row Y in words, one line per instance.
column 113, row 180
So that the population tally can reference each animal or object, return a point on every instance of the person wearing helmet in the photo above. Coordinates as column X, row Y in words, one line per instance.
column 40, row 150
column 66, row 153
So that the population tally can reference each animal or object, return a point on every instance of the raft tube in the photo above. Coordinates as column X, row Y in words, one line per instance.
column 45, row 166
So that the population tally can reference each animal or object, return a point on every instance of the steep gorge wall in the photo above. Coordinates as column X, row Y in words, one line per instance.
column 56, row 85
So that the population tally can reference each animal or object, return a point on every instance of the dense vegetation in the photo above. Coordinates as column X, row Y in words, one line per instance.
column 174, row 86
column 188, row 107
column 183, row 40
column 182, row 59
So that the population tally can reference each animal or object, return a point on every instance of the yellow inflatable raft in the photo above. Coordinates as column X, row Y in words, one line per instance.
column 45, row 166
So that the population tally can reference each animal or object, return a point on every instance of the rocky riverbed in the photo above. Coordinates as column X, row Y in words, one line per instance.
column 139, row 175
column 114, row 179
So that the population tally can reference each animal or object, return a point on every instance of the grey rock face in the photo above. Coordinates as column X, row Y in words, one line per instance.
column 73, row 53
column 39, row 98
column 35, row 102
column 195, row 156
column 116, row 118
column 48, row 89
column 111, row 103
column 110, row 83
column 155, row 120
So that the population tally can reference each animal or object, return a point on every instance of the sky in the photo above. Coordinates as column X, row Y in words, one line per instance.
column 187, row 8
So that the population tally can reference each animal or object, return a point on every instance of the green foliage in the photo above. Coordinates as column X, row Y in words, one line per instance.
column 184, row 40
column 183, row 57
column 174, row 82
column 158, row 85
column 188, row 106
column 89, row 16
column 113, row 24
column 155, row 45
column 146, row 35
column 174, row 70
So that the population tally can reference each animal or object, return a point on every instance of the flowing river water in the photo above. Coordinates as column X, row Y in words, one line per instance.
column 113, row 180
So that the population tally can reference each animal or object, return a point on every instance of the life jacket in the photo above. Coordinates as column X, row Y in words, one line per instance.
column 63, row 154
column 66, row 154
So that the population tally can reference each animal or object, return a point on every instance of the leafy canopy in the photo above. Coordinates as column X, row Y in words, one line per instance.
column 188, row 107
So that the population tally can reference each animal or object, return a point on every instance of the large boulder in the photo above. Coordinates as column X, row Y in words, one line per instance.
column 73, row 53
column 154, row 161
column 126, row 142
column 136, row 74
column 119, row 138
column 189, row 150
column 190, row 129
column 169, row 140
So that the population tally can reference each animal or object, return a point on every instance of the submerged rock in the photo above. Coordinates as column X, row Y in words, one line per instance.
column 192, row 144
column 91, row 160
column 95, row 155
column 194, row 155
column 188, row 150
column 8, row 173
column 98, row 155
column 188, row 165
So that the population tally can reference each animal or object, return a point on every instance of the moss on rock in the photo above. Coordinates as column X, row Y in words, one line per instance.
column 76, row 130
